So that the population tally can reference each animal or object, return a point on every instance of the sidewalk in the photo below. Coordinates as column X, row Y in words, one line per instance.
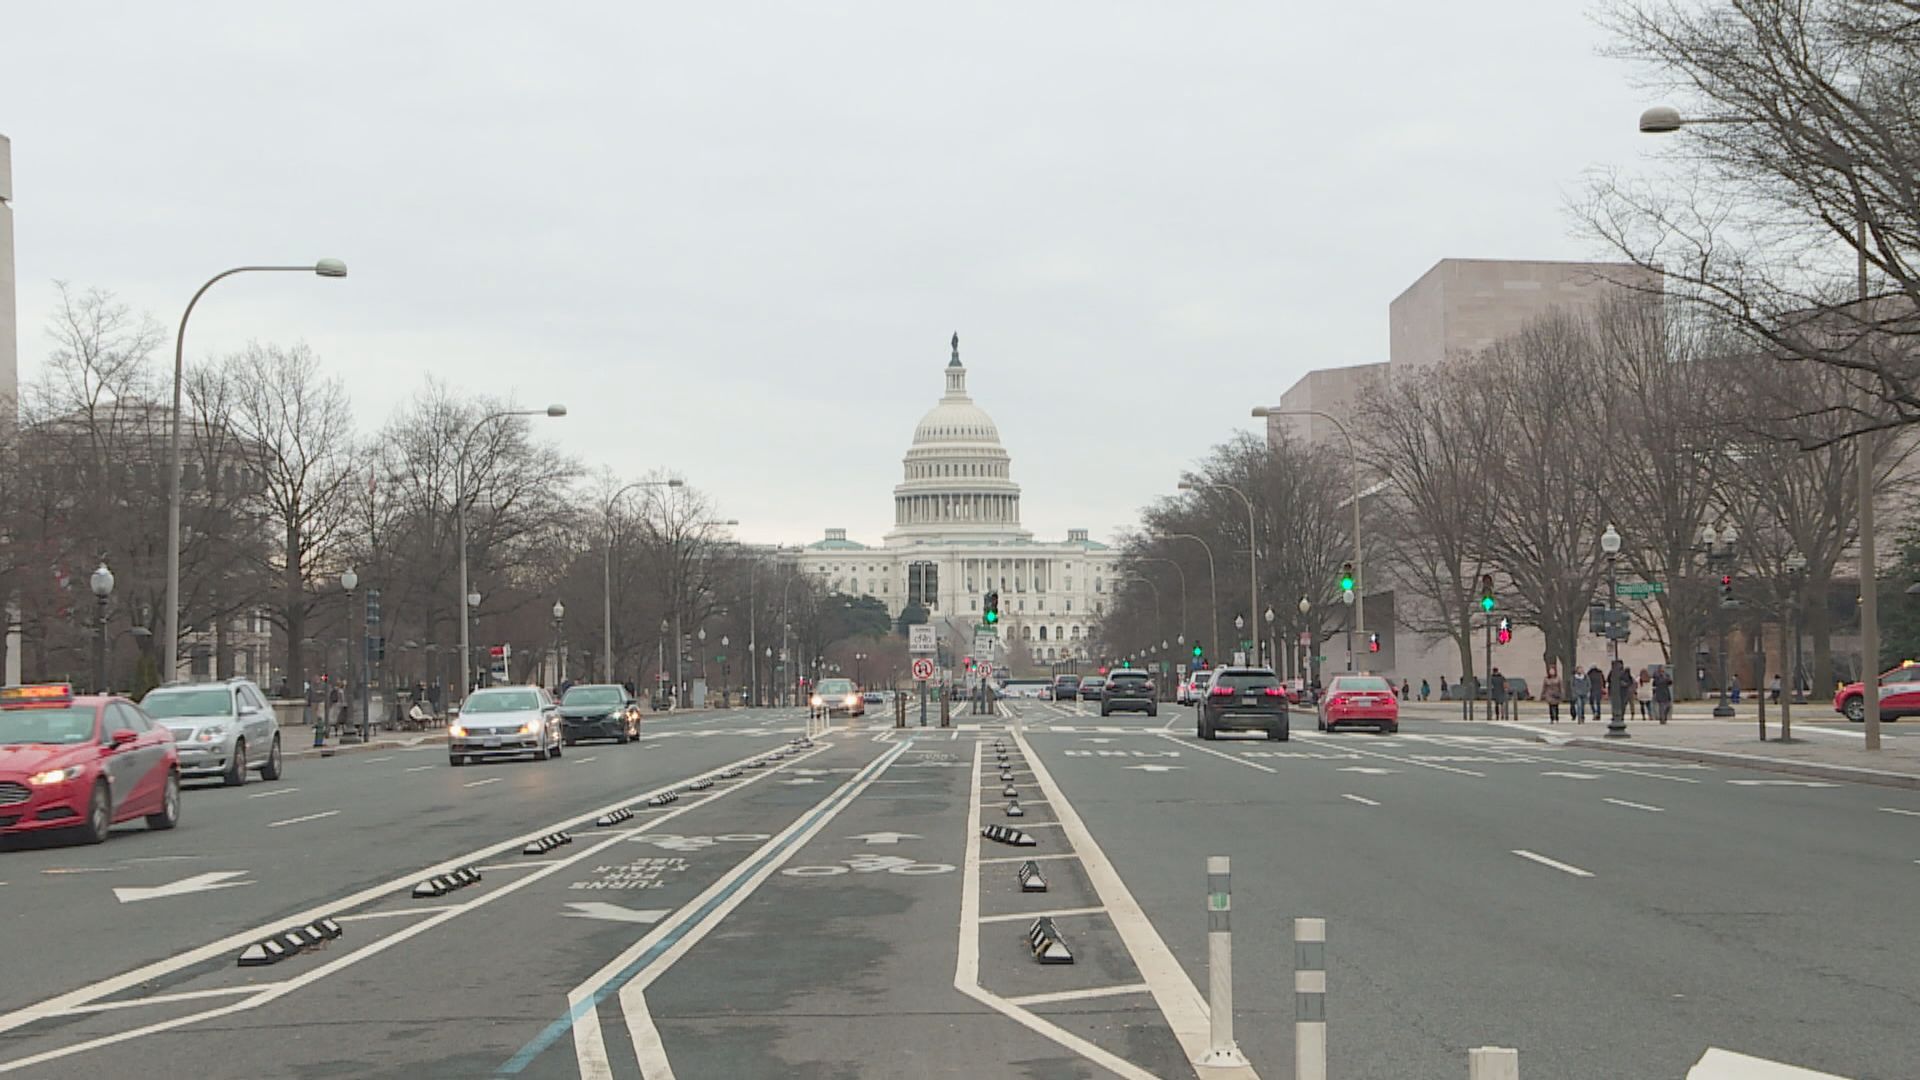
column 1823, row 750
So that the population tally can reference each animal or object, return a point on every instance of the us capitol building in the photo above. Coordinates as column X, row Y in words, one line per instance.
column 956, row 534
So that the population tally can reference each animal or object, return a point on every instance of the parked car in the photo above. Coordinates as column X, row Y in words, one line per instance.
column 83, row 764
column 1128, row 689
column 1090, row 687
column 1360, row 701
column 224, row 729
column 1243, row 699
column 599, row 711
column 838, row 696
column 505, row 721
column 1066, row 688
column 1899, row 695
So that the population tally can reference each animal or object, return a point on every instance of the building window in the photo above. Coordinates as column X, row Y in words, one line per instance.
column 1069, row 584
column 1096, row 585
column 974, row 605
column 1043, row 633
column 1069, row 607
column 1059, row 633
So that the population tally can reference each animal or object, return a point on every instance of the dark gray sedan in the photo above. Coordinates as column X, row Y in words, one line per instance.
column 599, row 711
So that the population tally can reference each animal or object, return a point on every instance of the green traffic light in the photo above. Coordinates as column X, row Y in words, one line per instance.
column 1486, row 603
column 1196, row 652
column 993, row 617
column 1346, row 583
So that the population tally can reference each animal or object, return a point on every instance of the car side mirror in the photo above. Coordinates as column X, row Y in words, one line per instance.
column 122, row 737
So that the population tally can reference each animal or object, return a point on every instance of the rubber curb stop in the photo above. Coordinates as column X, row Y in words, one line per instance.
column 1002, row 834
column 1047, row 944
column 547, row 843
column 1030, row 879
column 613, row 817
column 446, row 883
column 284, row 944
column 664, row 798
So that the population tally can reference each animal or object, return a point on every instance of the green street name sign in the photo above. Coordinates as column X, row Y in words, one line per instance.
column 1640, row 590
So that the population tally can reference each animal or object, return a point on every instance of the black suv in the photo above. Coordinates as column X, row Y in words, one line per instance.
column 1066, row 687
column 1244, row 699
column 1128, row 690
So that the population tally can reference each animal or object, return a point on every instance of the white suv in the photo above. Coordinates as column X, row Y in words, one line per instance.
column 223, row 729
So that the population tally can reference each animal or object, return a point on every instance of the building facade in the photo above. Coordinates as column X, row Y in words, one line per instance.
column 957, row 536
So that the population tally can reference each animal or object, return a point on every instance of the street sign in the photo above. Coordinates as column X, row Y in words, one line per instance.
column 923, row 669
column 986, row 671
column 1306, row 638
column 920, row 639
column 1640, row 590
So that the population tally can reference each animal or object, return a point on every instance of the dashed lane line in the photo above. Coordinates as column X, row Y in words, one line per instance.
column 298, row 820
column 1056, row 913
column 420, row 768
column 1081, row 995
column 484, row 783
column 1170, row 736
column 274, row 792
column 1361, row 799
column 1555, row 863
column 1636, row 806
column 1897, row 810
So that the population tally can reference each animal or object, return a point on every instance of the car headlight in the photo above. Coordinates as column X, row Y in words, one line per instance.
column 531, row 727
column 851, row 698
column 458, row 731
column 55, row 776
column 816, row 700
column 210, row 734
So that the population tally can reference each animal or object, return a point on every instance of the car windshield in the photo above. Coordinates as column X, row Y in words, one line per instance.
column 173, row 704
column 1362, row 684
column 62, row 726
column 836, row 686
column 1248, row 680
column 497, row 701
column 594, row 695
column 1203, row 678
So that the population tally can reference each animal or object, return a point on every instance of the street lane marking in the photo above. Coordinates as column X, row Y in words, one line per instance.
column 1080, row 995
column 484, row 783
column 274, row 792
column 1517, row 756
column 1897, row 810
column 166, row 999
column 1026, row 858
column 1056, row 913
column 372, row 760
column 1359, row 799
column 298, row 820
column 518, row 865
column 1344, row 745
column 1173, row 992
column 584, row 760
column 1217, row 753
column 1636, row 806
column 1544, row 861
column 419, row 768
column 396, row 913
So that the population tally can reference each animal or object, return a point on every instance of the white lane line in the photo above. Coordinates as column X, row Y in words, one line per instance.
column 1056, row 913
column 1344, row 745
column 1517, row 756
column 275, row 791
column 1635, row 805
column 484, row 783
column 389, row 757
column 1023, row 802
column 1544, row 861
column 517, row 865
column 395, row 913
column 1178, row 999
column 420, row 768
column 584, row 760
column 298, row 820
column 1361, row 799
column 1897, row 810
column 966, row 966
column 164, row 999
column 1080, row 995
column 1217, row 753
column 1026, row 858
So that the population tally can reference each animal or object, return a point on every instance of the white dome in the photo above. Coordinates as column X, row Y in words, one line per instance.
column 956, row 422
column 956, row 477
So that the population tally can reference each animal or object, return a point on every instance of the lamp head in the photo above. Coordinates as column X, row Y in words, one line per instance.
column 1661, row 120
column 556, row 409
column 1610, row 540
column 349, row 579
column 330, row 268
column 102, row 581
column 559, row 610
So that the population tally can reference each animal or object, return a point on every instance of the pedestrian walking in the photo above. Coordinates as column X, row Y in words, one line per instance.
column 1551, row 692
column 1596, row 690
column 1733, row 689
column 1443, row 688
column 1643, row 691
column 1425, row 689
column 1773, row 689
column 1497, row 691
column 1405, row 689
column 1662, row 695
column 1578, row 693
column 1619, row 690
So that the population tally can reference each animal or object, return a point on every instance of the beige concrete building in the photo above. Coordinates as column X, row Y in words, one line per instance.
column 1336, row 391
column 1461, row 306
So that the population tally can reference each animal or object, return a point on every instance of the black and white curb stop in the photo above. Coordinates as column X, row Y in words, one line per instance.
column 1010, row 792
column 802, row 742
column 446, row 883
column 1007, row 835
column 613, row 817
column 1006, row 776
column 1014, row 810
column 1030, row 879
column 757, row 763
column 284, row 944
column 729, row 774
column 1046, row 943
column 664, row 798
column 701, row 784
column 546, row 843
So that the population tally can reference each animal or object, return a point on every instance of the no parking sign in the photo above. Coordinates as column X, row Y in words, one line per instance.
column 923, row 669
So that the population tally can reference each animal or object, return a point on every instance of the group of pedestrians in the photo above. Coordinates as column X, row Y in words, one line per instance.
column 1617, row 687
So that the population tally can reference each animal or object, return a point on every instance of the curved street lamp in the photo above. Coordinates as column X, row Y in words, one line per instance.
column 1253, row 545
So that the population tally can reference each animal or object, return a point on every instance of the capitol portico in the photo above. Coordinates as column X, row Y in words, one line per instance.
column 956, row 535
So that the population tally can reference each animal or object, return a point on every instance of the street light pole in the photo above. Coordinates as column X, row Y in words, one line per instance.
column 606, row 577
column 460, row 518
column 1253, row 548
column 102, row 583
column 1610, row 543
column 1178, row 569
column 1353, row 471
column 348, row 580
column 1213, row 583
column 170, row 618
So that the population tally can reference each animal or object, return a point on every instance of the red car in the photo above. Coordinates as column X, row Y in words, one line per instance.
column 1360, row 701
column 82, row 763
column 1899, row 695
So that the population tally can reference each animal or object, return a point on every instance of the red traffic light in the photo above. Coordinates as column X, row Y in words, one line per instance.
column 1726, row 581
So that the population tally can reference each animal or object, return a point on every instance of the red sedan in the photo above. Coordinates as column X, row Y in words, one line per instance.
column 1360, row 701
column 82, row 763
column 1899, row 695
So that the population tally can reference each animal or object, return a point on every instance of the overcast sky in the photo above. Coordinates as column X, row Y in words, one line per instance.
column 734, row 238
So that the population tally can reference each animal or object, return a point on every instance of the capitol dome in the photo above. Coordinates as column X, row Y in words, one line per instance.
column 958, row 479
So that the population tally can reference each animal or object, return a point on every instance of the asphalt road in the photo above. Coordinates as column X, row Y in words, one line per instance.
column 837, row 913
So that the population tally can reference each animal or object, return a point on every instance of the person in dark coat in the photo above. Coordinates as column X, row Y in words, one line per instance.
column 1619, row 689
column 1497, row 692
column 1596, row 690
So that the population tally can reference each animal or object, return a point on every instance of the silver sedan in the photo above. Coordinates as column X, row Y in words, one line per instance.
column 505, row 721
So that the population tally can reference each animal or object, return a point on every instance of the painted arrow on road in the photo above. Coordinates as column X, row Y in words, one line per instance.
column 1718, row 1064
column 600, row 909
column 886, row 837
column 218, row 879
column 1782, row 783
column 1572, row 775
column 1156, row 768
column 1368, row 770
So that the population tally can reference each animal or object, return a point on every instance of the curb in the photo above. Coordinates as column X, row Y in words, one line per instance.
column 1817, row 770
column 348, row 748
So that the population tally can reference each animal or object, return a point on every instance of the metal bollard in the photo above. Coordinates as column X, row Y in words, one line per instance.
column 1493, row 1063
column 899, row 710
column 1221, row 1050
column 946, row 710
column 1310, row 999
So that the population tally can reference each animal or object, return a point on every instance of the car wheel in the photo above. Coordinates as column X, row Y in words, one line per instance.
column 237, row 765
column 553, row 751
column 1278, row 734
column 1207, row 732
column 169, row 813
column 1394, row 730
column 624, row 737
column 271, row 770
column 1153, row 711
column 99, row 816
column 455, row 760
column 568, row 740
column 1856, row 710
column 1104, row 711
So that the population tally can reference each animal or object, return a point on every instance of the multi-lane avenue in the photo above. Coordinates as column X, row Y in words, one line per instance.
column 835, row 911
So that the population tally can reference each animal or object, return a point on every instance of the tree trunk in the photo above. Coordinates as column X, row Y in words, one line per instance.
column 293, row 609
column 1819, row 630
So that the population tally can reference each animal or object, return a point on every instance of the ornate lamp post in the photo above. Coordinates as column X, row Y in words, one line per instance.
column 102, row 583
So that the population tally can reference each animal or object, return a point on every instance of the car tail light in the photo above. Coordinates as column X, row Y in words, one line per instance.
column 1221, row 691
column 1274, row 691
